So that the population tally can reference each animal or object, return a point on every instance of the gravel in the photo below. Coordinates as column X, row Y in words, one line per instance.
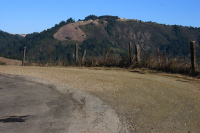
column 148, row 102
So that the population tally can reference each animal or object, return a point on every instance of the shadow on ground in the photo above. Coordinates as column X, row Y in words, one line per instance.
column 11, row 119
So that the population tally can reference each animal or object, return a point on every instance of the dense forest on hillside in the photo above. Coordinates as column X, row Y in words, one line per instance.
column 112, row 34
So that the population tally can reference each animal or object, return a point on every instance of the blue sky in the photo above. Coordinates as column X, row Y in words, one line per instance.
column 28, row 16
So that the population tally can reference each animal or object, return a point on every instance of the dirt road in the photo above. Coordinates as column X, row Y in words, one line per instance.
column 148, row 102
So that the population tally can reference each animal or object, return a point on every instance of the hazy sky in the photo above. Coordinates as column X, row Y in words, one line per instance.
column 27, row 16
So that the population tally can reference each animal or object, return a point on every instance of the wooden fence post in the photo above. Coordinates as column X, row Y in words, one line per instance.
column 76, row 51
column 131, row 53
column 166, row 59
column 50, row 55
column 83, row 58
column 159, row 58
column 105, row 56
column 137, row 53
column 24, row 57
column 193, row 56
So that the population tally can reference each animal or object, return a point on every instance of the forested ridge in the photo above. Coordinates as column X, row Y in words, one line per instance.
column 111, row 33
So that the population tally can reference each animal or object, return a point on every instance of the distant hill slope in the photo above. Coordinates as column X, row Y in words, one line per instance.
column 95, row 34
column 148, row 35
column 6, row 61
column 10, row 45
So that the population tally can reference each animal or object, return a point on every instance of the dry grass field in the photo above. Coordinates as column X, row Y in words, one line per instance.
column 149, row 102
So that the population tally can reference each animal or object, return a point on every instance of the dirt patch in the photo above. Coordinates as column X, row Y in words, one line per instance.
column 148, row 102
column 5, row 61
column 72, row 31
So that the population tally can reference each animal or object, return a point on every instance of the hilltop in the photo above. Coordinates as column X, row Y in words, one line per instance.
column 20, row 35
column 72, row 31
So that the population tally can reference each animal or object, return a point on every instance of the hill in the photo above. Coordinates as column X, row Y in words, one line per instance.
column 96, row 34
column 149, row 35
column 10, row 45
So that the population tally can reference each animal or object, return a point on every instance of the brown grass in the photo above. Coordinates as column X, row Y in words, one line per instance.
column 5, row 61
column 174, row 65
column 165, row 64
column 171, row 65
column 72, row 31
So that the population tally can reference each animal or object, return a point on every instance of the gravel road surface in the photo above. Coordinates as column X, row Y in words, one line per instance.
column 146, row 101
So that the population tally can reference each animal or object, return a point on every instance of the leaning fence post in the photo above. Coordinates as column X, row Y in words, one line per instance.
column 193, row 55
column 83, row 58
column 24, row 56
column 131, row 53
column 137, row 53
column 76, row 50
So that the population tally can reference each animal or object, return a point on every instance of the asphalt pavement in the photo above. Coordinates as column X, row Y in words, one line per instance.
column 32, row 107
